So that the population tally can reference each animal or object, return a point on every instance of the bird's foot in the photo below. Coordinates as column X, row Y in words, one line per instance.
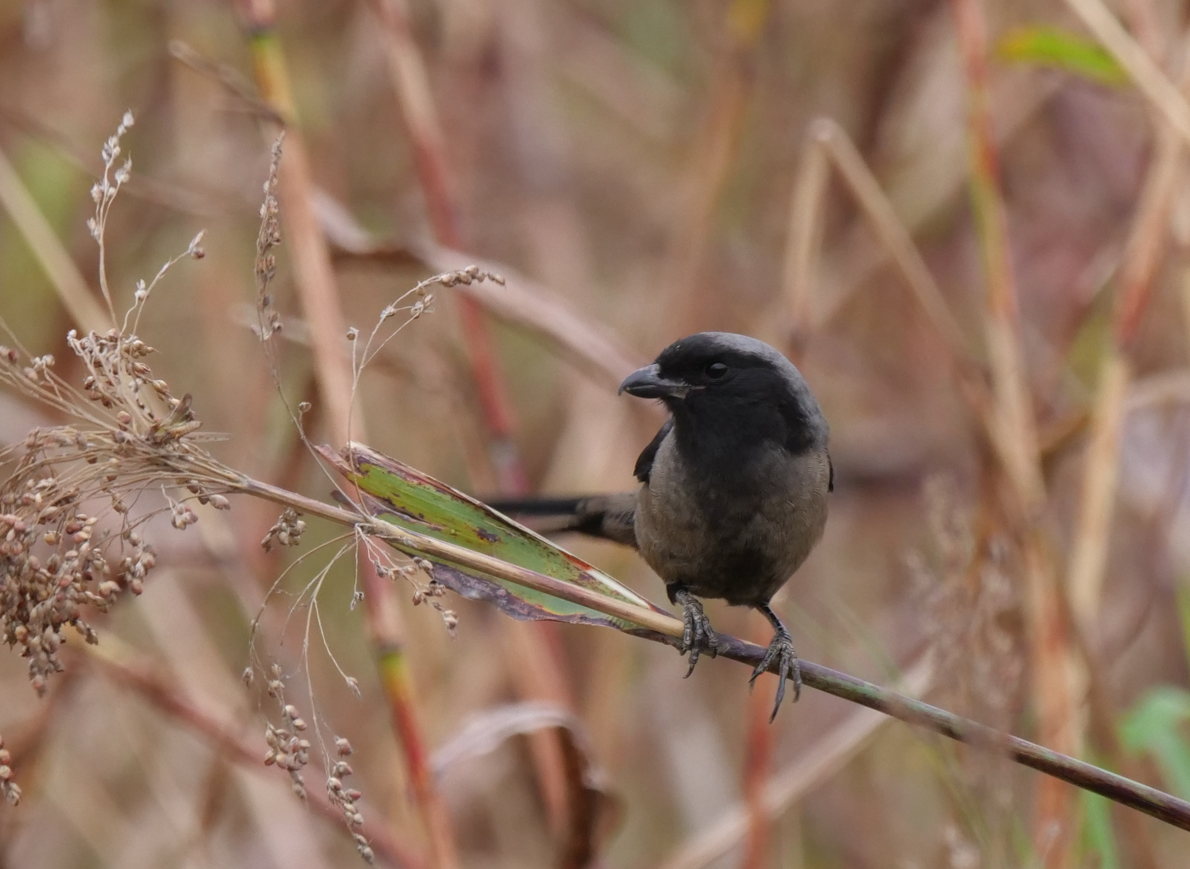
column 698, row 635
column 781, row 651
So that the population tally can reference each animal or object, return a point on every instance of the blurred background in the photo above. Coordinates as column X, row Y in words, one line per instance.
column 966, row 222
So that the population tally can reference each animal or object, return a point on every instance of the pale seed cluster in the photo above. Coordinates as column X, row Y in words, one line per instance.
column 10, row 789
column 347, row 798
column 469, row 275
column 268, row 238
column 428, row 592
column 286, row 531
column 290, row 750
column 104, row 190
column 41, row 595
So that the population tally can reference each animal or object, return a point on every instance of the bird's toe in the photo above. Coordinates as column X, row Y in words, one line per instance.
column 781, row 651
column 697, row 634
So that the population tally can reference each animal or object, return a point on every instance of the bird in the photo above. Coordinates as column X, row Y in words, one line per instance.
column 733, row 487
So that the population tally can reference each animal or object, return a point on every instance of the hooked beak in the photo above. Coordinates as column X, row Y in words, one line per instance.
column 647, row 382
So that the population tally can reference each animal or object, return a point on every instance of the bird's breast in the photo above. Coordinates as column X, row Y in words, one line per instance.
column 736, row 532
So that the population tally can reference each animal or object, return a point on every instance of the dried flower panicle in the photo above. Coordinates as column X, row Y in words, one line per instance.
column 971, row 610
column 972, row 617
column 104, row 191
column 472, row 274
column 69, row 536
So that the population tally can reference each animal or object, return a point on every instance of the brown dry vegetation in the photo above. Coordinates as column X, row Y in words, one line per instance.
column 1008, row 418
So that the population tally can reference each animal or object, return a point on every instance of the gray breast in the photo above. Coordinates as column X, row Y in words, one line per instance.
column 724, row 542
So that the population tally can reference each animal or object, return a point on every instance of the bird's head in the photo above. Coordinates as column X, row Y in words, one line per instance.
column 734, row 384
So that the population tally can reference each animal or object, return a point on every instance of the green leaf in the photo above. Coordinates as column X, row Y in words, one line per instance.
column 409, row 499
column 1156, row 726
column 1059, row 49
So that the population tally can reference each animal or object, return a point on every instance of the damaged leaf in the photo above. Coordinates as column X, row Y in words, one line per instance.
column 409, row 499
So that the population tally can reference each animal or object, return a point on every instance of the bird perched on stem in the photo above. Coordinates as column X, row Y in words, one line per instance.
column 733, row 487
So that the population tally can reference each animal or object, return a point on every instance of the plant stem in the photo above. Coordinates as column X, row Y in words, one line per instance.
column 661, row 627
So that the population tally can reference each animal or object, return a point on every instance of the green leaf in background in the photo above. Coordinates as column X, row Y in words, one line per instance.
column 1182, row 591
column 1059, row 49
column 409, row 499
column 1156, row 725
column 1097, row 830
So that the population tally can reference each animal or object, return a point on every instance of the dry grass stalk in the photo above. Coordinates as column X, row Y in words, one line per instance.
column 314, row 278
column 68, row 282
column 1144, row 71
column 1146, row 245
column 1058, row 673
column 715, row 151
column 828, row 145
column 411, row 83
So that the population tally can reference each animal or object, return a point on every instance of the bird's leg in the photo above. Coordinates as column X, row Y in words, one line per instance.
column 698, row 634
column 780, row 650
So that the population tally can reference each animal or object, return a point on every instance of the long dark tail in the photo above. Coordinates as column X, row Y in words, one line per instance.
column 537, row 506
column 609, row 517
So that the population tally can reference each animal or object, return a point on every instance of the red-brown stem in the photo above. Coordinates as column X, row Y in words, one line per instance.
column 758, row 762
column 532, row 642
column 429, row 153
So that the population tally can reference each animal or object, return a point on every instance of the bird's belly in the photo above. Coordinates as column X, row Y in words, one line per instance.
column 741, row 547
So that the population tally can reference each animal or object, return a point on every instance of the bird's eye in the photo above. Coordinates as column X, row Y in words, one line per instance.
column 715, row 370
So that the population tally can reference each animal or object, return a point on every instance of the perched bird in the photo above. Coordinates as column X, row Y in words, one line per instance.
column 733, row 487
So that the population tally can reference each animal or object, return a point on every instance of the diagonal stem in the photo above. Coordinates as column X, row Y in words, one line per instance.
column 661, row 627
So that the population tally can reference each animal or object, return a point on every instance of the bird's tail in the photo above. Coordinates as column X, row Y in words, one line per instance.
column 609, row 517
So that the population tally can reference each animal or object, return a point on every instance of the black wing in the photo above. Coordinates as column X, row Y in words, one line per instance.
column 644, row 464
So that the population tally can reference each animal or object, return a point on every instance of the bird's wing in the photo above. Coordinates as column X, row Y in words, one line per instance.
column 644, row 464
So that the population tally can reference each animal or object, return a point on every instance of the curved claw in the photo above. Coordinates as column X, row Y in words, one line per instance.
column 697, row 634
column 780, row 650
